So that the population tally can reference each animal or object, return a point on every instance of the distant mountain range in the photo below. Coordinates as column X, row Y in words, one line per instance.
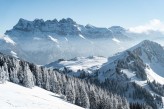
column 64, row 28
column 42, row 41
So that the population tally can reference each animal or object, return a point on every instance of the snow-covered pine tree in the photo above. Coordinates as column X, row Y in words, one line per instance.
column 2, row 75
column 82, row 97
column 28, row 76
column 70, row 92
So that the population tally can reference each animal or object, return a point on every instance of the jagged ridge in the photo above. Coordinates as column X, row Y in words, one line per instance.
column 66, row 27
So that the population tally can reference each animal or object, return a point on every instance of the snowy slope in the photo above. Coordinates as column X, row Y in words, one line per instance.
column 89, row 64
column 10, row 47
column 13, row 96
column 7, row 40
column 152, row 55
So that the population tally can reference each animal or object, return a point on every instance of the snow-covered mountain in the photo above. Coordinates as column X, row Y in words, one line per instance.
column 42, row 42
column 7, row 44
column 140, row 68
column 142, row 64
column 10, row 47
column 119, row 32
column 78, row 65
column 46, row 41
column 64, row 28
column 42, row 28
column 147, row 55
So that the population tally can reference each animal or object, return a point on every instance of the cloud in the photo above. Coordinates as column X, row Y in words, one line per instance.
column 152, row 25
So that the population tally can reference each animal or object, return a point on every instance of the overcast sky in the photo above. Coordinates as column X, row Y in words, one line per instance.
column 101, row 13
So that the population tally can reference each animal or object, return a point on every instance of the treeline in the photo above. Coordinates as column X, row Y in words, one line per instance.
column 142, row 93
column 156, row 87
column 134, row 63
column 139, row 106
column 131, row 90
column 76, row 91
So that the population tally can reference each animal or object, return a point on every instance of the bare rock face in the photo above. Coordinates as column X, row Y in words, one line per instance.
column 65, row 27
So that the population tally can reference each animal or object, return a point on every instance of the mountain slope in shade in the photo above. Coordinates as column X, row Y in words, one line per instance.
column 13, row 96
column 142, row 64
column 147, row 55
column 152, row 54
column 65, row 27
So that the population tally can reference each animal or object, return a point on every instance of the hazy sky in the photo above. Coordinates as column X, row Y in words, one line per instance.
column 103, row 13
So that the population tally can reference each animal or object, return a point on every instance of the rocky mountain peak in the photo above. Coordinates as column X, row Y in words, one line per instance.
column 22, row 24
column 67, row 20
column 64, row 27
column 150, row 52
column 89, row 26
column 149, row 46
column 117, row 28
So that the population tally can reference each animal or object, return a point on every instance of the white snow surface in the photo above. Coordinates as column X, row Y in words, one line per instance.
column 53, row 39
column 115, row 40
column 8, row 40
column 79, row 28
column 82, row 36
column 151, row 77
column 79, row 63
column 154, row 76
column 14, row 54
column 150, row 74
column 152, row 55
column 13, row 96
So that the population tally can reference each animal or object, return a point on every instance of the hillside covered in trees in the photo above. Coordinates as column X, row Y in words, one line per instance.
column 76, row 91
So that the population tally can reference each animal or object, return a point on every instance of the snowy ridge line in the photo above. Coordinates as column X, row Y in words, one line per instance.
column 137, row 64
column 67, row 27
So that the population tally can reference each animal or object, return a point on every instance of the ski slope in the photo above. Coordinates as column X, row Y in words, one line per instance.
column 13, row 96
